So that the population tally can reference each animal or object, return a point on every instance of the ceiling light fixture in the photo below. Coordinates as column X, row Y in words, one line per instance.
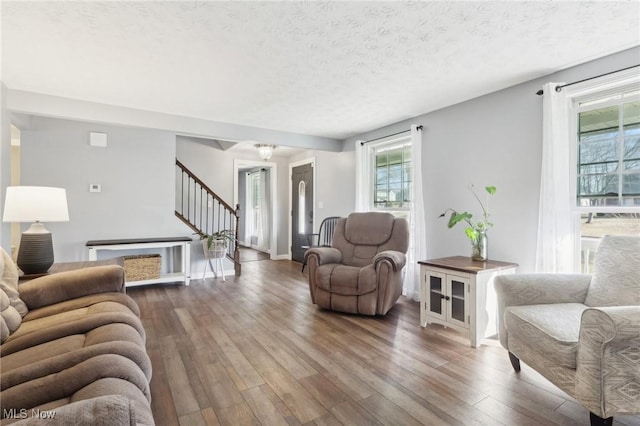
column 265, row 151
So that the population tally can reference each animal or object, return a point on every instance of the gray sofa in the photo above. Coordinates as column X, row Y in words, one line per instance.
column 581, row 332
column 362, row 271
column 73, row 349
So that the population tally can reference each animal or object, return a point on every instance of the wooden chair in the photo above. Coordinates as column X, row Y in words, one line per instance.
column 324, row 236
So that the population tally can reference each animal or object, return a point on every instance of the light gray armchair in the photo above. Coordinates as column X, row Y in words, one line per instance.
column 581, row 332
column 361, row 272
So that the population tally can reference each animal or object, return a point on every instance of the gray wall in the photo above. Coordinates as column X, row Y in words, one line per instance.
column 335, row 183
column 491, row 140
column 494, row 139
column 56, row 152
column 282, row 205
column 136, row 171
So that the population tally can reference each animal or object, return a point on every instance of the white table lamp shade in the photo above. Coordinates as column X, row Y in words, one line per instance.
column 35, row 204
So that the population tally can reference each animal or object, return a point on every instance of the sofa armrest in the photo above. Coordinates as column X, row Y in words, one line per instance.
column 395, row 258
column 607, row 365
column 62, row 286
column 324, row 255
column 538, row 289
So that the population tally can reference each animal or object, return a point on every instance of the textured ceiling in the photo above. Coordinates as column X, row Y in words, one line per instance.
column 330, row 69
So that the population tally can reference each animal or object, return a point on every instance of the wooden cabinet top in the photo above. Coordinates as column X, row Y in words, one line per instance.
column 93, row 243
column 465, row 264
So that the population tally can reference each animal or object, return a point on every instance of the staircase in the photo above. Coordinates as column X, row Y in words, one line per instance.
column 204, row 211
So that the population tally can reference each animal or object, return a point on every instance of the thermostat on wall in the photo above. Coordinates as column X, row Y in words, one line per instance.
column 94, row 187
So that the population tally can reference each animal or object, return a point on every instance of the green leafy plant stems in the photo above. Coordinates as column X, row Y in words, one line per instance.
column 225, row 234
column 475, row 228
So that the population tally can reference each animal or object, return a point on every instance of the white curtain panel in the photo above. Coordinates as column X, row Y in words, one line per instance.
column 556, row 232
column 417, row 227
column 362, row 178
column 248, row 211
column 265, row 211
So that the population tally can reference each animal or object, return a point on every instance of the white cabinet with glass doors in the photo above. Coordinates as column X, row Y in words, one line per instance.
column 447, row 299
column 457, row 292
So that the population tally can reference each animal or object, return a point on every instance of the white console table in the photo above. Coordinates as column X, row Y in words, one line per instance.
column 176, row 271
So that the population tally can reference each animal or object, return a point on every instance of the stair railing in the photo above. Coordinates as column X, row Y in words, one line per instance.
column 204, row 211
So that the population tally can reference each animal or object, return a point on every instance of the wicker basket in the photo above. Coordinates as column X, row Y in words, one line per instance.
column 142, row 267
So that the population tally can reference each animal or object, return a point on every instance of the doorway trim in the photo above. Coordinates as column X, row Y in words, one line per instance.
column 312, row 161
column 14, row 180
column 242, row 164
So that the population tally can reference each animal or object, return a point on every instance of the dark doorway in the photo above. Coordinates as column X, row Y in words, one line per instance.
column 302, row 209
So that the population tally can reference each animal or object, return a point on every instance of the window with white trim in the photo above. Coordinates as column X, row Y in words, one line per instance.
column 606, row 150
column 609, row 151
column 391, row 185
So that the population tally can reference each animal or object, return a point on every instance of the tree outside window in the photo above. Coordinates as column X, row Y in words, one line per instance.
column 392, row 177
column 609, row 156
column 608, row 169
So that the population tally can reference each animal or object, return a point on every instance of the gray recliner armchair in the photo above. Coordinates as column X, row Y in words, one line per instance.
column 581, row 332
column 362, row 271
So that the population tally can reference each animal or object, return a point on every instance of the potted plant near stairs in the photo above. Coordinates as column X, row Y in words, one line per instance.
column 215, row 247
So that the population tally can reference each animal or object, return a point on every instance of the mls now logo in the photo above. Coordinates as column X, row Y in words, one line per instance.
column 23, row 413
column 15, row 413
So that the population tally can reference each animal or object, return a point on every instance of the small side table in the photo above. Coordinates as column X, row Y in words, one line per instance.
column 458, row 292
column 177, row 264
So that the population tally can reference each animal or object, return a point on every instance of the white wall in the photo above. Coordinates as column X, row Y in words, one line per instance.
column 491, row 140
column 335, row 175
column 242, row 200
column 135, row 170
column 215, row 168
column 5, row 165
column 54, row 106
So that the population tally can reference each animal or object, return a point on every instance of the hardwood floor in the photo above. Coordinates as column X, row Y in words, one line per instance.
column 254, row 351
column 248, row 254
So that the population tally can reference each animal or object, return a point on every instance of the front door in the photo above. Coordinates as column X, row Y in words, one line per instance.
column 302, row 209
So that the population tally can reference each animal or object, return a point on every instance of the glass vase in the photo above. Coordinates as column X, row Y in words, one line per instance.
column 479, row 247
